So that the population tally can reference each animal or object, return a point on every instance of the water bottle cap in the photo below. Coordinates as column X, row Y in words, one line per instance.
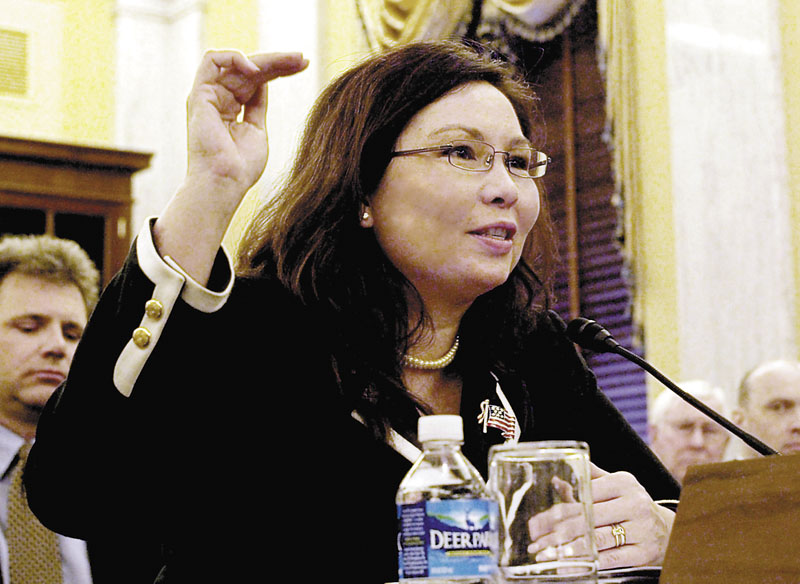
column 440, row 427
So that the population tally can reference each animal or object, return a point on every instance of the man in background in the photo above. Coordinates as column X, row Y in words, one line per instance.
column 48, row 286
column 769, row 406
column 681, row 435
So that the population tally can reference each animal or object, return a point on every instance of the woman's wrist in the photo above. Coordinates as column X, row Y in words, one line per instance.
column 192, row 226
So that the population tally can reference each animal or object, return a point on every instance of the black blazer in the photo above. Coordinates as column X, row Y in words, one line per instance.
column 235, row 451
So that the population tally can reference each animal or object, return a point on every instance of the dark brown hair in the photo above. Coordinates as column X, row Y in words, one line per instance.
column 309, row 232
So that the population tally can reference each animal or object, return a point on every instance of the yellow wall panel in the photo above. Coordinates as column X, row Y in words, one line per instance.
column 232, row 24
column 659, row 287
column 790, row 44
column 88, row 71
column 345, row 42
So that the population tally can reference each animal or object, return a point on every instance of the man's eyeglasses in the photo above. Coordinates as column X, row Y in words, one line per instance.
column 477, row 156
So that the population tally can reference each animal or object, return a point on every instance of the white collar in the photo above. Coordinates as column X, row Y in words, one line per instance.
column 10, row 443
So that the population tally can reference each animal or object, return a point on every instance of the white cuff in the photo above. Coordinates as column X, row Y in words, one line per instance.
column 171, row 282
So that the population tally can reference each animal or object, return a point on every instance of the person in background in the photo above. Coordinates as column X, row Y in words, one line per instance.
column 681, row 435
column 262, row 419
column 48, row 287
column 768, row 406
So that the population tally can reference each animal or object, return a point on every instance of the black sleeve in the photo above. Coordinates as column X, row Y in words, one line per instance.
column 103, row 462
column 214, row 439
column 88, row 433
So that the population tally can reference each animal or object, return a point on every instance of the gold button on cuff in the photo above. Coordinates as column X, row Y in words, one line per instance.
column 141, row 337
column 154, row 309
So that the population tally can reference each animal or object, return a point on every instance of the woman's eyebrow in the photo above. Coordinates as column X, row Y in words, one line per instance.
column 472, row 132
column 476, row 134
column 521, row 141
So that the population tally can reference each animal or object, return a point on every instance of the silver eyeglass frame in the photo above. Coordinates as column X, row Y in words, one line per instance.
column 539, row 160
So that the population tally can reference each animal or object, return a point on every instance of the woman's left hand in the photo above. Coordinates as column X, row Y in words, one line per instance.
column 619, row 500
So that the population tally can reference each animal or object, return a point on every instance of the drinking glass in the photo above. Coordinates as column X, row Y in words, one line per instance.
column 543, row 490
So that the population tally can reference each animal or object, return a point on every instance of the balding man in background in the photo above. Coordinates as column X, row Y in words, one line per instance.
column 681, row 435
column 769, row 406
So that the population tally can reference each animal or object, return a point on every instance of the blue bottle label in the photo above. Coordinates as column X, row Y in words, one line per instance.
column 450, row 538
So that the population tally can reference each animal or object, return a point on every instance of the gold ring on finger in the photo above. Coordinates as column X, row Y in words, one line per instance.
column 619, row 534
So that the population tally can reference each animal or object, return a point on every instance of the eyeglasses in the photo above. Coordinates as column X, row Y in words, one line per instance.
column 709, row 430
column 477, row 156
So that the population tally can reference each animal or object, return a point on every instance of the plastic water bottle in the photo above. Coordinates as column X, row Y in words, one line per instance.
column 447, row 520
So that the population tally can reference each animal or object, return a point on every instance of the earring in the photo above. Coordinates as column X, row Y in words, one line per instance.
column 366, row 217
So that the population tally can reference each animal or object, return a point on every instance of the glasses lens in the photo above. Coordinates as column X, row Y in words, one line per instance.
column 538, row 164
column 518, row 161
column 470, row 155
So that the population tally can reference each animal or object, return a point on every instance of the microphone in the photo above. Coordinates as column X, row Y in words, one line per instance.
column 591, row 335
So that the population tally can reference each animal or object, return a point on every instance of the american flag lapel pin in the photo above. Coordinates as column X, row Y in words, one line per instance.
column 492, row 416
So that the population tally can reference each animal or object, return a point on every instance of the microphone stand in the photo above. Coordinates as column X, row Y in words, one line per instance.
column 604, row 342
column 748, row 439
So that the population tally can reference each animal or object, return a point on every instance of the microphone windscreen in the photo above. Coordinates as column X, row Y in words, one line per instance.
column 591, row 335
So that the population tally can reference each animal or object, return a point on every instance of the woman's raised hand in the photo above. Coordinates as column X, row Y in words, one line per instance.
column 227, row 114
column 227, row 153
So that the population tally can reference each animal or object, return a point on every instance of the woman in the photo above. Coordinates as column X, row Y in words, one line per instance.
column 394, row 274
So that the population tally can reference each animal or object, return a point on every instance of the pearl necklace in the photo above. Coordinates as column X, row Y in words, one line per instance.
column 440, row 363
